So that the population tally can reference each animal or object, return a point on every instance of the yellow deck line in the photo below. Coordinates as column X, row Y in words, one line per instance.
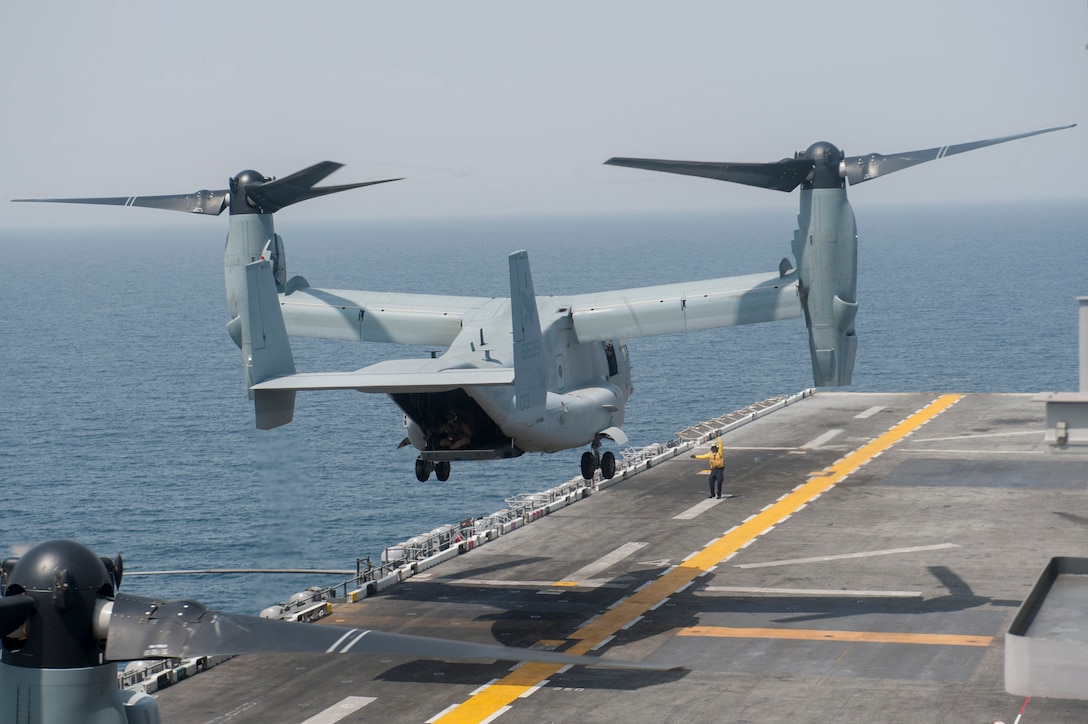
column 878, row 637
column 487, row 701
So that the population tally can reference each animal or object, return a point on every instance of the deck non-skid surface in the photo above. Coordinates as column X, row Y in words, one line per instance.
column 875, row 552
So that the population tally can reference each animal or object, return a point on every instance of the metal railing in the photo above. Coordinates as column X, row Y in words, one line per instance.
column 129, row 679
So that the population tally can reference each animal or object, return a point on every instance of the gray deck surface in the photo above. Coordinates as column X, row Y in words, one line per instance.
column 883, row 599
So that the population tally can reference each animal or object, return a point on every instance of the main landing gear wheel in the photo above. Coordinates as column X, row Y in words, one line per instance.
column 594, row 461
column 589, row 465
column 424, row 468
column 442, row 470
column 608, row 465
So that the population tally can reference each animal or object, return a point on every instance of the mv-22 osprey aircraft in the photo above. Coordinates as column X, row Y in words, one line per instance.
column 529, row 373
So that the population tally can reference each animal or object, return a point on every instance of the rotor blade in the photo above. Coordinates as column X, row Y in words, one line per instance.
column 201, row 202
column 14, row 611
column 274, row 195
column 864, row 168
column 309, row 176
column 782, row 175
column 142, row 628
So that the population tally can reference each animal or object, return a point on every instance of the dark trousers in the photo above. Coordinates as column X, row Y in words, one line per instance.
column 717, row 477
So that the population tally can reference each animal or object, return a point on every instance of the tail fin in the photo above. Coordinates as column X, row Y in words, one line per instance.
column 530, row 381
column 266, row 350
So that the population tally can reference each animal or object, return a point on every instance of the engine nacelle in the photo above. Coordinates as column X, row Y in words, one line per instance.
column 825, row 245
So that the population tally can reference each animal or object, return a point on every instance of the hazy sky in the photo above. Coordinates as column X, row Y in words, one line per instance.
column 510, row 107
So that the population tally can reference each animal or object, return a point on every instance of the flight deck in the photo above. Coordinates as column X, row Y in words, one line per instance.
column 873, row 555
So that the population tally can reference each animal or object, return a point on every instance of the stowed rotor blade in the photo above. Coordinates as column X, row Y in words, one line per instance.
column 782, row 175
column 201, row 202
column 864, row 168
column 14, row 611
column 275, row 194
column 142, row 628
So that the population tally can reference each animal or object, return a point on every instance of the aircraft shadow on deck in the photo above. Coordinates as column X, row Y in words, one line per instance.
column 522, row 617
column 960, row 597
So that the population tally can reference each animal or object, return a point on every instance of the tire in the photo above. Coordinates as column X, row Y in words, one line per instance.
column 608, row 465
column 423, row 470
column 589, row 465
column 442, row 470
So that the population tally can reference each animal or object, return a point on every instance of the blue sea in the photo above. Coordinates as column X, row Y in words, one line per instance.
column 126, row 425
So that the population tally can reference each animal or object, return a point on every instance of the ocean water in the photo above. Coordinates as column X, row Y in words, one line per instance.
column 126, row 426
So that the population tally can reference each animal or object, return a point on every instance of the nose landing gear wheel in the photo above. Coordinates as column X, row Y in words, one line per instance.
column 423, row 470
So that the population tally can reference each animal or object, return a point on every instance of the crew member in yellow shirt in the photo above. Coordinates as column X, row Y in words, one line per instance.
column 717, row 467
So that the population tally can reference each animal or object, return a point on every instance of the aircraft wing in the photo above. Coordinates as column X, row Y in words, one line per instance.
column 685, row 306
column 357, row 316
column 433, row 319
column 394, row 376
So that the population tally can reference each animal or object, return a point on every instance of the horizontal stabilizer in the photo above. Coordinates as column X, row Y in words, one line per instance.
column 386, row 377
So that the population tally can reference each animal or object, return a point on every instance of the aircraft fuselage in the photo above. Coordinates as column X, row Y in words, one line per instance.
column 587, row 386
